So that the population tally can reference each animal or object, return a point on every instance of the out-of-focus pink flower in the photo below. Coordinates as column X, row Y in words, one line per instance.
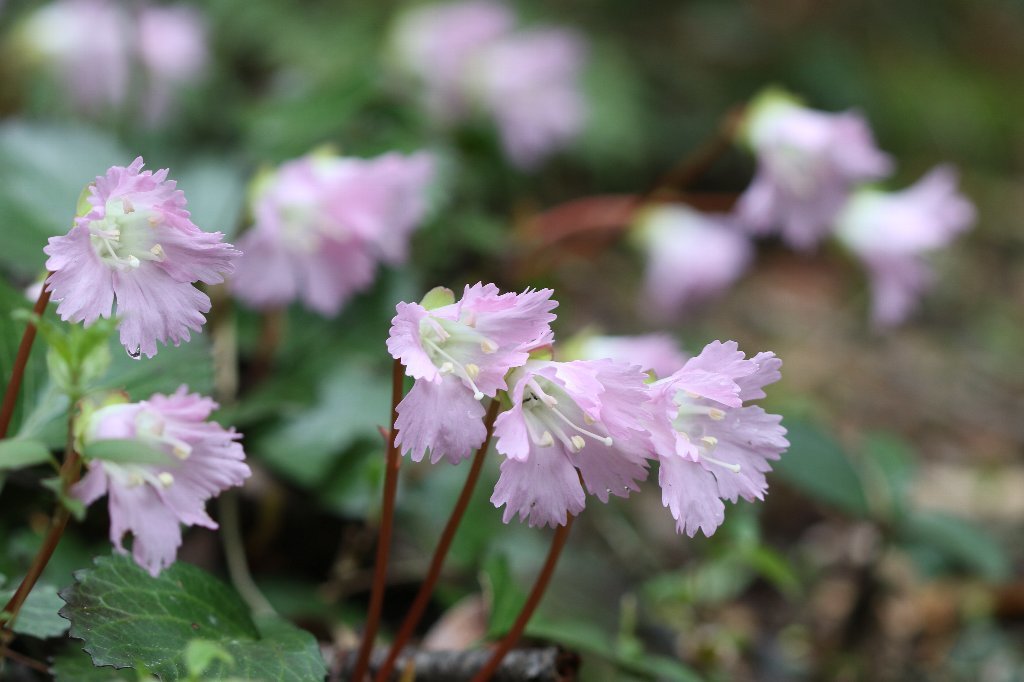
column 587, row 415
column 807, row 162
column 104, row 51
column 323, row 222
column 152, row 500
column 435, row 43
column 172, row 47
column 691, row 256
column 530, row 83
column 458, row 353
column 892, row 231
column 658, row 353
column 470, row 58
column 710, row 445
column 136, row 248
column 88, row 43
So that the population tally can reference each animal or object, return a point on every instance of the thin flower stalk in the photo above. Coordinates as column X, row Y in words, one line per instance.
column 384, row 537
column 419, row 604
column 536, row 594
column 20, row 362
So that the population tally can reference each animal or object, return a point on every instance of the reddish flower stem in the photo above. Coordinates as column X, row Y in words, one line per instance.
column 536, row 594
column 20, row 361
column 69, row 473
column 419, row 604
column 380, row 570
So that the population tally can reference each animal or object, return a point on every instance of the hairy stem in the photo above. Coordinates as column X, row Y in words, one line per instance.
column 419, row 604
column 20, row 361
column 384, row 538
column 536, row 594
column 69, row 473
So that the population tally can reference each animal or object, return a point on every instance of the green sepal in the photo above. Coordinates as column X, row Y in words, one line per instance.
column 125, row 451
column 438, row 297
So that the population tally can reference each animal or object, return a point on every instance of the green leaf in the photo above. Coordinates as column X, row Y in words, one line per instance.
column 505, row 597
column 74, row 665
column 816, row 465
column 17, row 453
column 127, row 617
column 200, row 654
column 591, row 639
column 38, row 616
column 126, row 451
column 959, row 543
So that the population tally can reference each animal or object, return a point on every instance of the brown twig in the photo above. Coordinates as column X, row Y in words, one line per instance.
column 20, row 362
column 419, row 604
column 548, row 664
column 536, row 594
column 69, row 473
column 26, row 661
column 384, row 538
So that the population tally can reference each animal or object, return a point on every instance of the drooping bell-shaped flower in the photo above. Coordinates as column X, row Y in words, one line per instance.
column 709, row 444
column 807, row 163
column 323, row 222
column 151, row 500
column 691, row 256
column 530, row 83
column 586, row 415
column 891, row 233
column 436, row 44
column 87, row 44
column 459, row 352
column 470, row 60
column 134, row 252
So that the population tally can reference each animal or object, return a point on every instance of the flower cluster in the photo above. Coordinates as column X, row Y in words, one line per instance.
column 582, row 426
column 133, row 250
column 469, row 57
column 812, row 167
column 150, row 500
column 324, row 222
column 102, row 50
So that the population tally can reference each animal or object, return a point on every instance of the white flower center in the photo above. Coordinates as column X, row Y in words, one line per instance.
column 551, row 414
column 456, row 348
column 691, row 422
column 124, row 237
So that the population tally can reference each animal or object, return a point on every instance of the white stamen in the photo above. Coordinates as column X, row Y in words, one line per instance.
column 604, row 439
column 716, row 414
column 133, row 262
column 454, row 366
column 735, row 468
column 134, row 480
column 578, row 443
column 588, row 420
column 446, row 368
column 165, row 479
column 472, row 370
column 546, row 439
column 182, row 451
column 488, row 346
column 153, row 220
column 157, row 250
column 709, row 440
column 127, row 205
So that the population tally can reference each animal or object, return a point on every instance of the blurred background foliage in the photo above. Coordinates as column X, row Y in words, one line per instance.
column 890, row 545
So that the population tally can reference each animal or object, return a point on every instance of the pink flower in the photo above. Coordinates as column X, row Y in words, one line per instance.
column 587, row 415
column 529, row 82
column 807, row 162
column 892, row 231
column 658, row 353
column 710, row 446
column 88, row 44
column 470, row 59
column 458, row 353
column 435, row 43
column 323, row 222
column 137, row 249
column 691, row 256
column 152, row 500
column 172, row 48
column 98, row 47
